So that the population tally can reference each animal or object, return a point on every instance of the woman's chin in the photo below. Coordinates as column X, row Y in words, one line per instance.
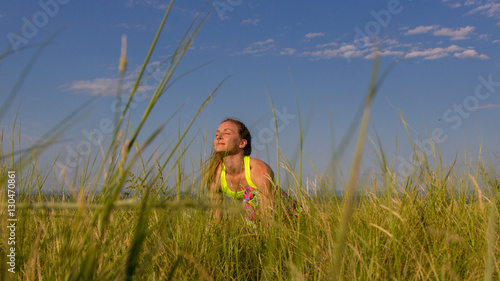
column 224, row 152
column 221, row 151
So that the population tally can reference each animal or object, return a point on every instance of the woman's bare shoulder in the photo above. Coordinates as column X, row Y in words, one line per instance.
column 259, row 167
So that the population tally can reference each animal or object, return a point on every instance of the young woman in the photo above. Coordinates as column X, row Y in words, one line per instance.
column 232, row 171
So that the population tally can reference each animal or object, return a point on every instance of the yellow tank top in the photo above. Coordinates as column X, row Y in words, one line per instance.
column 223, row 183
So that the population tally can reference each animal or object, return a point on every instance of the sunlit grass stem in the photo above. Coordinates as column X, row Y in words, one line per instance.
column 353, row 179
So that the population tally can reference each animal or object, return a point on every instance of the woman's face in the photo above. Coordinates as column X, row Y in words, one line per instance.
column 227, row 138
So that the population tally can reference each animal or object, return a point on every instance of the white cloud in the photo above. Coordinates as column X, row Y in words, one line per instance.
column 421, row 29
column 470, row 54
column 457, row 34
column 453, row 48
column 251, row 21
column 345, row 51
column 391, row 42
column 250, row 50
column 105, row 87
column 257, row 48
column 400, row 50
column 433, row 53
column 313, row 35
column 436, row 56
column 484, row 36
column 331, row 44
column 385, row 53
column 386, row 47
column 288, row 51
column 490, row 9
column 108, row 86
column 97, row 87
column 325, row 54
column 454, row 34
column 452, row 4
column 436, row 53
column 470, row 2
column 261, row 43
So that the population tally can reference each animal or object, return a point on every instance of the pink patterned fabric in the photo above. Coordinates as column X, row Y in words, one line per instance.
column 251, row 203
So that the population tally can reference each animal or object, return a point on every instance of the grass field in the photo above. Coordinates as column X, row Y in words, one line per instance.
column 430, row 228
column 435, row 224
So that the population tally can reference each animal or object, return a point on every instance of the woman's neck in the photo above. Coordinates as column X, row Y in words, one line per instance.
column 234, row 164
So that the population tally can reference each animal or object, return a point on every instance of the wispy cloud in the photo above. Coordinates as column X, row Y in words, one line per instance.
column 261, row 43
column 186, row 12
column 455, row 5
column 458, row 4
column 455, row 34
column 490, row 9
column 108, row 86
column 344, row 51
column 433, row 53
column 251, row 21
column 313, row 35
column 489, row 106
column 331, row 44
column 385, row 53
column 96, row 87
column 452, row 4
column 288, row 51
column 460, row 33
column 257, row 48
column 470, row 2
column 361, row 49
column 406, row 51
column 421, row 29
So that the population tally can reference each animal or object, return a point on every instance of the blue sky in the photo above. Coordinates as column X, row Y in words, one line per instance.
column 446, row 81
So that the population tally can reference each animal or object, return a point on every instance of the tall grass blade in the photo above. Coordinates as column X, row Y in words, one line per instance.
column 353, row 179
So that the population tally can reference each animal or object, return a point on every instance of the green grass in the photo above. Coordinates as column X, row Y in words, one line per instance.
column 439, row 223
column 436, row 235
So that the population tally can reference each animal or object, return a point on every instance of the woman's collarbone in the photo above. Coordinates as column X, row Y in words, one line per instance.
column 238, row 183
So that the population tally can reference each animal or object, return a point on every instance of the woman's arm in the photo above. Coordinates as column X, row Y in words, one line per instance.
column 263, row 177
